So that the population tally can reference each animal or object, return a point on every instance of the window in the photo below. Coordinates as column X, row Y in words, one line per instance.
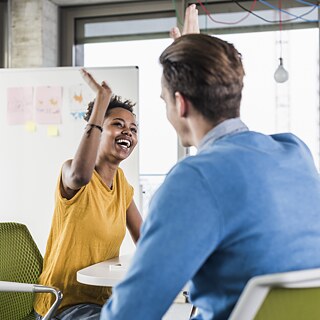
column 292, row 106
column 157, row 139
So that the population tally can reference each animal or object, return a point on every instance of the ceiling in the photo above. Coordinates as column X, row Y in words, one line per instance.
column 91, row 2
column 86, row 2
column 286, row 3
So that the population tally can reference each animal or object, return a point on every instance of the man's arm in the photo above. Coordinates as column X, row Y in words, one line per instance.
column 180, row 232
column 190, row 24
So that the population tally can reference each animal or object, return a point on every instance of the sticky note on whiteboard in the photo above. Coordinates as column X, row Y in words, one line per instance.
column 52, row 131
column 30, row 126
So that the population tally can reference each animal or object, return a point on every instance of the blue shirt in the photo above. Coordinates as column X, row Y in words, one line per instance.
column 246, row 204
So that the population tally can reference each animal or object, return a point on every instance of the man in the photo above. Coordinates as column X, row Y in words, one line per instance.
column 246, row 204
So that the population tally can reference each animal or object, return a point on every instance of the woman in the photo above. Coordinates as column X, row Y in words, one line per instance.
column 93, row 205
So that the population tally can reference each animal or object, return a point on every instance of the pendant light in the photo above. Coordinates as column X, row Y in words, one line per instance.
column 281, row 74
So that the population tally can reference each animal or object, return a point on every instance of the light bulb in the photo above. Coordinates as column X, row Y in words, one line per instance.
column 281, row 75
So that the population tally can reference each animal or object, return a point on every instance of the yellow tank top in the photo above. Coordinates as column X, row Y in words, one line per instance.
column 87, row 229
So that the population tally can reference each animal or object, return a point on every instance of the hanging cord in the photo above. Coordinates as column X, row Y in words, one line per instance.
column 250, row 11
column 266, row 3
column 229, row 23
column 307, row 3
column 276, row 21
column 280, row 26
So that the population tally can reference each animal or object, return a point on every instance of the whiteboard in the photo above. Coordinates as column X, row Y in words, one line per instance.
column 31, row 160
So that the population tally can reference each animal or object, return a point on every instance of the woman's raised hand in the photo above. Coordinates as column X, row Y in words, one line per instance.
column 98, row 89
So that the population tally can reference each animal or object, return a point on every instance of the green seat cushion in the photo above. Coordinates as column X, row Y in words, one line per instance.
column 291, row 304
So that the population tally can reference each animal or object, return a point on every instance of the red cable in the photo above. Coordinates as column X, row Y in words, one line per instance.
column 245, row 17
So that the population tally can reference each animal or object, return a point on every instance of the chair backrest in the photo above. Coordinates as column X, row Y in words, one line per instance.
column 20, row 261
column 291, row 295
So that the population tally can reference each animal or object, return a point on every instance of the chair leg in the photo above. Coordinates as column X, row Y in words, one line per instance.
column 194, row 309
column 193, row 312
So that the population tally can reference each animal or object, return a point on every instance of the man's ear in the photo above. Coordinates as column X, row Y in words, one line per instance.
column 182, row 104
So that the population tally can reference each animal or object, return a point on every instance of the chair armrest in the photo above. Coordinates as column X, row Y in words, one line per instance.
column 6, row 286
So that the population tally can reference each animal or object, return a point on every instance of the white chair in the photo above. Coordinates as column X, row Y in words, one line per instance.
column 291, row 295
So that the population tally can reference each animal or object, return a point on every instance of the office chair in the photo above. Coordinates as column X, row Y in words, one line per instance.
column 291, row 295
column 20, row 267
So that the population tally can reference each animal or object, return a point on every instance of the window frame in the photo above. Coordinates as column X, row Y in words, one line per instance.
column 70, row 53
column 4, row 34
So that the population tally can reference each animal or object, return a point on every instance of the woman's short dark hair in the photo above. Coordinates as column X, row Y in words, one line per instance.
column 208, row 72
column 115, row 102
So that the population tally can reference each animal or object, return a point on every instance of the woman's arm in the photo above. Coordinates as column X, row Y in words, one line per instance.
column 134, row 221
column 78, row 172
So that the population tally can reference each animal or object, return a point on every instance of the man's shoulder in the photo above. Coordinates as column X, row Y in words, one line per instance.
column 197, row 165
column 286, row 136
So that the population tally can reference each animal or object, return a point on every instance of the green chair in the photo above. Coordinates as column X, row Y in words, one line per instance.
column 291, row 295
column 20, row 267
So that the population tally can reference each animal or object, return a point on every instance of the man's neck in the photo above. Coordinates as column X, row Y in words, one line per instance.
column 224, row 128
column 200, row 126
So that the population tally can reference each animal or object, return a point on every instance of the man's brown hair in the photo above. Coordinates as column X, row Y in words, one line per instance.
column 208, row 72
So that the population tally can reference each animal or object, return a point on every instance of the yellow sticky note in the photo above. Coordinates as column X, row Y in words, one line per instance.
column 52, row 131
column 30, row 126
